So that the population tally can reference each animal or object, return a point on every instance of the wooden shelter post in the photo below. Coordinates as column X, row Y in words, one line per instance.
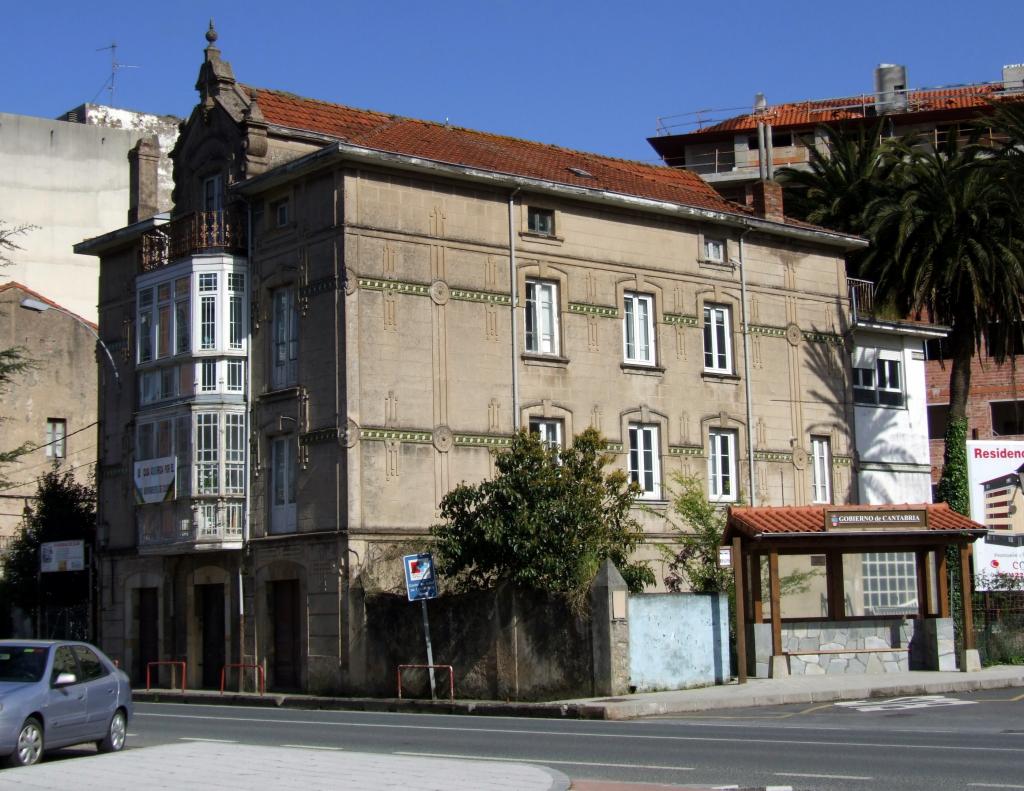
column 738, row 567
column 966, row 588
column 942, row 581
column 755, row 589
column 924, row 590
column 834, row 585
column 776, row 603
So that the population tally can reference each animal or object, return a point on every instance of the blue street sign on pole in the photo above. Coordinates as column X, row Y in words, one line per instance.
column 420, row 580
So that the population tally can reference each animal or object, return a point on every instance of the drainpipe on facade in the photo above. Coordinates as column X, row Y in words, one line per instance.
column 746, row 371
column 512, row 312
column 248, row 446
column 762, row 169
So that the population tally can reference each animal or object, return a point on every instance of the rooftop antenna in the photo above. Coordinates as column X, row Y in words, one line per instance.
column 114, row 66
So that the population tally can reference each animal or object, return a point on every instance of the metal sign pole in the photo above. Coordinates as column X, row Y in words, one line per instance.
column 430, row 651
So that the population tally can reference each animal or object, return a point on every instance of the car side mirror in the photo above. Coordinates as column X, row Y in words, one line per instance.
column 65, row 679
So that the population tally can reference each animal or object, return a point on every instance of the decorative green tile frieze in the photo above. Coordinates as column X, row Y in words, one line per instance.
column 680, row 319
column 383, row 434
column 321, row 286
column 373, row 284
column 614, row 447
column 481, row 296
column 483, row 440
column 822, row 337
column 685, row 450
column 586, row 309
column 319, row 435
column 772, row 455
column 774, row 332
column 842, row 461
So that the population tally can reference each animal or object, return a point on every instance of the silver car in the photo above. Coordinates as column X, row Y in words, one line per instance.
column 54, row 693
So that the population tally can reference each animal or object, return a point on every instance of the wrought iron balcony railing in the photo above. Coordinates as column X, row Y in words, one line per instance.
column 201, row 232
column 862, row 298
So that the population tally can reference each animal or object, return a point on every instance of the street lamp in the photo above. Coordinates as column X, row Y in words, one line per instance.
column 41, row 307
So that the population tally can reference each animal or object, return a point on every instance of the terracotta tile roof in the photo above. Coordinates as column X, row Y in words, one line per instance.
column 754, row 522
column 799, row 114
column 470, row 148
column 36, row 295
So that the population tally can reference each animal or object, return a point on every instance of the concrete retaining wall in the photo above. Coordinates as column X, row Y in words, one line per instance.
column 678, row 640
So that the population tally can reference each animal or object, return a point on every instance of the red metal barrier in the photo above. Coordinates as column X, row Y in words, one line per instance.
column 241, row 666
column 451, row 678
column 173, row 663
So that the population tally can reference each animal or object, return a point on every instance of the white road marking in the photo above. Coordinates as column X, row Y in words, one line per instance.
column 822, row 777
column 910, row 702
column 313, row 747
column 991, row 785
column 577, row 734
column 215, row 741
column 543, row 761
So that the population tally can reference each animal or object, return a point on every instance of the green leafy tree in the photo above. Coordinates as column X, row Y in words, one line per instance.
column 62, row 510
column 546, row 521
column 699, row 526
column 13, row 360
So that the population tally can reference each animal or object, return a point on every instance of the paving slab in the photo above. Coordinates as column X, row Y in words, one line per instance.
column 238, row 767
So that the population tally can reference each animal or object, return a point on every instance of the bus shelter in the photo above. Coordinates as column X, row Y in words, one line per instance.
column 849, row 589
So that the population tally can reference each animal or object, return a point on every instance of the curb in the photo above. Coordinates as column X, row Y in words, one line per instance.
column 486, row 708
column 710, row 698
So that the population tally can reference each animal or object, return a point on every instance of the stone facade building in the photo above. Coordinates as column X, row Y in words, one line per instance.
column 67, row 178
column 51, row 407
column 348, row 311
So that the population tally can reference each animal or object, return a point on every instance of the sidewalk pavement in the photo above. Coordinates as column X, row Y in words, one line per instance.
column 240, row 767
column 756, row 692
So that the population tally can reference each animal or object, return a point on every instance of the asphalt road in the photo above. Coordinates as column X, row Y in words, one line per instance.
column 934, row 742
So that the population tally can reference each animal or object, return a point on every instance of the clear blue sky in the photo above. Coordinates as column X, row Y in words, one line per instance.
column 588, row 75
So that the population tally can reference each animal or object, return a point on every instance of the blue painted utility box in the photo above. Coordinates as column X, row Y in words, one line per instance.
column 678, row 640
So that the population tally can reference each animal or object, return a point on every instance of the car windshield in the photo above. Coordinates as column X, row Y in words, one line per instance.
column 22, row 662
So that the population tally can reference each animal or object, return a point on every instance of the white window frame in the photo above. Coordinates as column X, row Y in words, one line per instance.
column 644, row 460
column 208, row 293
column 56, row 438
column 718, row 339
column 821, row 470
column 541, row 316
column 713, row 249
column 723, row 470
column 236, row 311
column 871, row 383
column 549, row 431
column 638, row 326
column 284, row 338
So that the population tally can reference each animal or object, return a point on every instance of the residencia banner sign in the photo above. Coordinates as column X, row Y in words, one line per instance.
column 838, row 520
column 995, row 474
column 154, row 480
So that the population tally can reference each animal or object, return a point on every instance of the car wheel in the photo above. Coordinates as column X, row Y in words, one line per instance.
column 116, row 733
column 29, row 748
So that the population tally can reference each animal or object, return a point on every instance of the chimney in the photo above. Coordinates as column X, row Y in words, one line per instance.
column 143, row 179
column 1013, row 78
column 890, row 88
column 767, row 200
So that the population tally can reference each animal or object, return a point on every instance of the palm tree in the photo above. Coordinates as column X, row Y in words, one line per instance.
column 948, row 243
column 841, row 180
